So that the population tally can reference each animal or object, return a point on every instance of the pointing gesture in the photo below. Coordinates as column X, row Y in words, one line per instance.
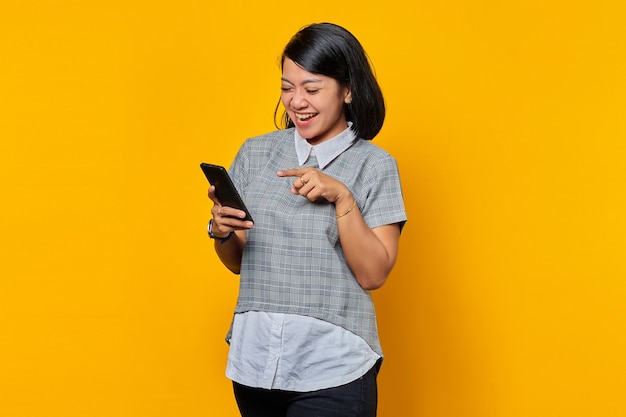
column 315, row 185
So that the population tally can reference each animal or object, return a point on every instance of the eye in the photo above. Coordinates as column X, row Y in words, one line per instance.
column 286, row 89
column 313, row 90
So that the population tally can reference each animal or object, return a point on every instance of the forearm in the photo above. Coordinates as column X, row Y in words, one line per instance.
column 371, row 254
column 230, row 251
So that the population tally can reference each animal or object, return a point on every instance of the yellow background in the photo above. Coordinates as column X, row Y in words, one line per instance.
column 507, row 119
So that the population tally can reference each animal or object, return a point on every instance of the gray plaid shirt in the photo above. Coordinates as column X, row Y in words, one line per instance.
column 293, row 261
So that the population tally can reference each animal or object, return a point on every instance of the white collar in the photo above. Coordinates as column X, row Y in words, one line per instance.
column 326, row 151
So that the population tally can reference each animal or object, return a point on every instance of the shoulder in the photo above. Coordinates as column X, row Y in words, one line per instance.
column 373, row 156
column 256, row 151
column 270, row 140
column 259, row 148
column 367, row 148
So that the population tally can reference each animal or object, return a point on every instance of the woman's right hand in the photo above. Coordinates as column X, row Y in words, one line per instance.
column 227, row 219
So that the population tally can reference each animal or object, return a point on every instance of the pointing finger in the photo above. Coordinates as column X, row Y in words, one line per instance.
column 294, row 172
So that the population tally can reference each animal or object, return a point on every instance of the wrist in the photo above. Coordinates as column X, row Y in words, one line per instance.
column 345, row 207
column 344, row 200
column 221, row 239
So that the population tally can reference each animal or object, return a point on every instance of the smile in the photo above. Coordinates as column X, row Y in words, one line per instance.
column 305, row 116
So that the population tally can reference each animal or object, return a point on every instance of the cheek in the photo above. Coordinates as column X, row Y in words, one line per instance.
column 285, row 98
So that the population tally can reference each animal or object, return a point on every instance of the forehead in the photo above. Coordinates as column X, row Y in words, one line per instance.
column 295, row 74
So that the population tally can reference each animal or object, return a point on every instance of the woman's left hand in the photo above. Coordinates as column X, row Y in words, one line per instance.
column 314, row 185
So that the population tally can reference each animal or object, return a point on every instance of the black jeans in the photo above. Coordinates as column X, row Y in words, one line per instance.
column 359, row 398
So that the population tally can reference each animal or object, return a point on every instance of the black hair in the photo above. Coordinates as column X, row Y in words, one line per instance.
column 330, row 50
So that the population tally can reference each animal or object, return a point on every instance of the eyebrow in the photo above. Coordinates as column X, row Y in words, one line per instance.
column 308, row 81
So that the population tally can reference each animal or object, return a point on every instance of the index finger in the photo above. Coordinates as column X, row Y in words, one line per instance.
column 293, row 172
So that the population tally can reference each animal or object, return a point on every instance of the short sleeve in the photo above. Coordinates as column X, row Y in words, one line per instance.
column 384, row 203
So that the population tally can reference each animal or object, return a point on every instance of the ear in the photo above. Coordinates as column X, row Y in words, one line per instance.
column 347, row 95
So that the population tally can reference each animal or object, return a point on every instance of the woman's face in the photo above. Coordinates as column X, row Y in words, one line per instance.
column 315, row 103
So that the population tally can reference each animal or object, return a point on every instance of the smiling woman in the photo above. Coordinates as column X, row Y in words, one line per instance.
column 328, row 212
column 506, row 119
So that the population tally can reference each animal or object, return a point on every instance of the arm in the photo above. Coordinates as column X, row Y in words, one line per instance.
column 371, row 253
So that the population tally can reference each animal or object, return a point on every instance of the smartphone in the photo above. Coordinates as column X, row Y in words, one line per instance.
column 225, row 190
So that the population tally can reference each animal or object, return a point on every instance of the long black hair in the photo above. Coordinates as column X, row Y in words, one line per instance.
column 330, row 50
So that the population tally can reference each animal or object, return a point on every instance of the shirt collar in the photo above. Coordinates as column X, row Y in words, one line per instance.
column 326, row 151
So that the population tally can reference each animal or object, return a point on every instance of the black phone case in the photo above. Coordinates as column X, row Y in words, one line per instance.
column 224, row 188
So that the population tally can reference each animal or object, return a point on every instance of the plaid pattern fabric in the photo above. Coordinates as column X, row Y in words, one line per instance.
column 293, row 261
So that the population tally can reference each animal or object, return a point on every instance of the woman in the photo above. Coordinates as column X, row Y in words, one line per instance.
column 328, row 212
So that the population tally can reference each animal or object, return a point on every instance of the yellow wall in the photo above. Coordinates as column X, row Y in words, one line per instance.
column 507, row 119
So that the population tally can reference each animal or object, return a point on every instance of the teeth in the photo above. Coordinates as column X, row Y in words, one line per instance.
column 304, row 116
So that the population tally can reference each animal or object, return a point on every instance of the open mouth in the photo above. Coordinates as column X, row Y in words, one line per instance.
column 305, row 116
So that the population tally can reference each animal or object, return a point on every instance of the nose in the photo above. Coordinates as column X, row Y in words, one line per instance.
column 298, row 101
